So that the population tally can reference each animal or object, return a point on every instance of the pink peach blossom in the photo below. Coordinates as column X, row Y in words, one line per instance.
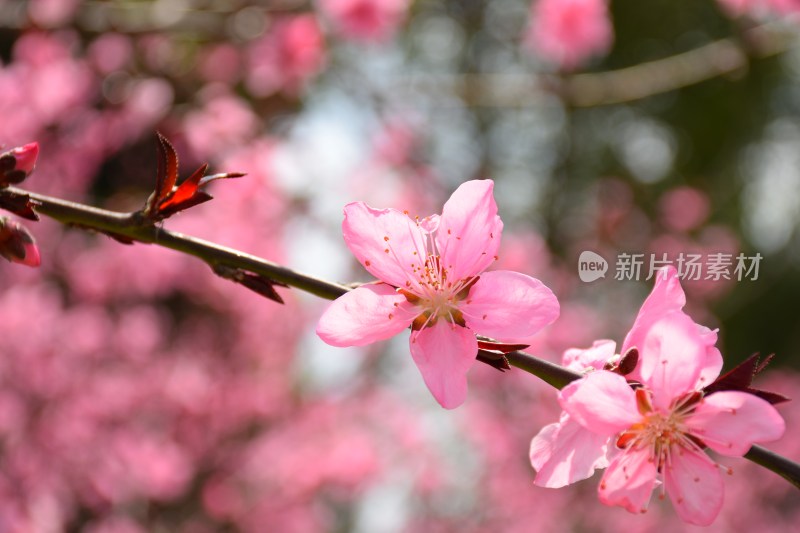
column 684, row 209
column 53, row 13
column 568, row 32
column 661, row 428
column 110, row 52
column 739, row 7
column 667, row 297
column 365, row 20
column 565, row 452
column 784, row 7
column 432, row 279
column 761, row 8
column 291, row 52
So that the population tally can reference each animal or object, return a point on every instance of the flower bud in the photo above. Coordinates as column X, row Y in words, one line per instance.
column 16, row 244
column 17, row 164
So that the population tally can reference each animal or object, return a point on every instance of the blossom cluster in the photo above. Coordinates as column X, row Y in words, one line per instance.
column 433, row 280
column 139, row 393
column 646, row 415
column 649, row 424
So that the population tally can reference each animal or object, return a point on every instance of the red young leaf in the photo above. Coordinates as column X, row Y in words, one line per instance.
column 261, row 285
column 188, row 194
column 185, row 190
column 19, row 204
column 741, row 377
column 255, row 282
column 167, row 199
column 198, row 198
column 771, row 397
column 763, row 364
column 500, row 347
column 167, row 168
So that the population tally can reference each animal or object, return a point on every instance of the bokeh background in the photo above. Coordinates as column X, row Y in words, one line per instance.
column 140, row 392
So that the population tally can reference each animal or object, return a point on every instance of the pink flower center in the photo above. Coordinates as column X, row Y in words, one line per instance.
column 661, row 432
column 429, row 286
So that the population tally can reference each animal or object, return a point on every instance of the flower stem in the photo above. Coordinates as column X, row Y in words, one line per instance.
column 132, row 226
column 550, row 373
column 789, row 470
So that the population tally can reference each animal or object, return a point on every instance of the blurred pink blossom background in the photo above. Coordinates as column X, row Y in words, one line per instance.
column 140, row 392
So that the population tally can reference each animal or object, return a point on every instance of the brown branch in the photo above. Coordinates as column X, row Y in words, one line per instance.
column 130, row 225
column 717, row 58
column 134, row 226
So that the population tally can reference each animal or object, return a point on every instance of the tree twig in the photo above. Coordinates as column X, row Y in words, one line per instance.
column 591, row 89
column 131, row 225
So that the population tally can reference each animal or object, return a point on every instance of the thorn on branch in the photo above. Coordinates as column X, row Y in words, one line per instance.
column 255, row 282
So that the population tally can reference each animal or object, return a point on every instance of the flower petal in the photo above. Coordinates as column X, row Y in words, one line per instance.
column 712, row 365
column 730, row 422
column 364, row 315
column 543, row 445
column 667, row 296
column 565, row 452
column 469, row 230
column 694, row 485
column 430, row 223
column 32, row 257
column 671, row 358
column 602, row 402
column 444, row 353
column 26, row 157
column 509, row 305
column 629, row 481
column 388, row 243
column 596, row 357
